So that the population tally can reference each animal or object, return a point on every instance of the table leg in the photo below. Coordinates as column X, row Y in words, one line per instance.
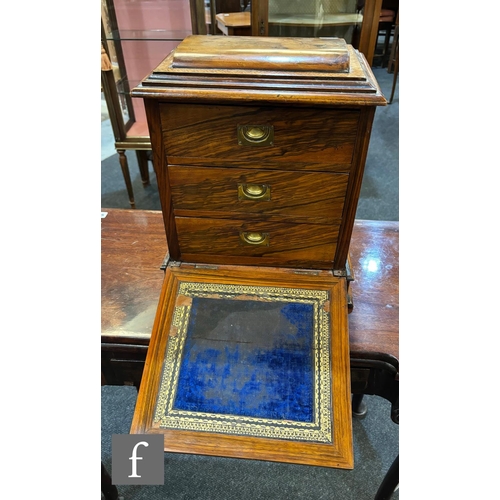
column 390, row 482
column 359, row 408
column 142, row 160
column 109, row 490
column 126, row 176
column 395, row 77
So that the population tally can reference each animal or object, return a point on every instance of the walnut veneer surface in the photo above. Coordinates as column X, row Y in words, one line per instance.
column 133, row 248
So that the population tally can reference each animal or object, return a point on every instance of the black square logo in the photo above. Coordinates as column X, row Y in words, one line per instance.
column 137, row 459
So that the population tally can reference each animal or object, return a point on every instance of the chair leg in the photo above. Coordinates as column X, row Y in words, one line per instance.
column 386, row 52
column 395, row 77
column 126, row 176
column 109, row 490
column 390, row 482
column 142, row 160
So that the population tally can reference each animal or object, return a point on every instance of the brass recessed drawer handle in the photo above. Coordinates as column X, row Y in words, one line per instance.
column 252, row 238
column 255, row 135
column 260, row 192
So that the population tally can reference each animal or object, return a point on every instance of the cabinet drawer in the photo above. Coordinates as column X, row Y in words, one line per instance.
column 260, row 243
column 302, row 138
column 317, row 197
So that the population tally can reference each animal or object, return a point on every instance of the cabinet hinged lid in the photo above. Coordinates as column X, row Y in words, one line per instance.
column 244, row 68
column 248, row 363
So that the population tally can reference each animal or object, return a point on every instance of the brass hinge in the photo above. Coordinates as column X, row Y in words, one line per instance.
column 165, row 262
column 178, row 263
column 206, row 266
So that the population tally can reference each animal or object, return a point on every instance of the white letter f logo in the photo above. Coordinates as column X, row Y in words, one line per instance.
column 134, row 458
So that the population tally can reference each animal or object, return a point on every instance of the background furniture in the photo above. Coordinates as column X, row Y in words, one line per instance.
column 109, row 491
column 136, row 36
column 234, row 23
column 393, row 65
column 387, row 20
column 390, row 483
column 345, row 19
column 122, row 142
column 388, row 15
column 357, row 22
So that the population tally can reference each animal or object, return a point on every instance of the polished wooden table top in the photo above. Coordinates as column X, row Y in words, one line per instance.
column 374, row 321
column 133, row 248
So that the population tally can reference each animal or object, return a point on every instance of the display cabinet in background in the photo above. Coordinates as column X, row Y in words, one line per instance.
column 135, row 37
column 356, row 21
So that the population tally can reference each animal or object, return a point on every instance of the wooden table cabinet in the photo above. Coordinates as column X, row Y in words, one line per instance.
column 259, row 147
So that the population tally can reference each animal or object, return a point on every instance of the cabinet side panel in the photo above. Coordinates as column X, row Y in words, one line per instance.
column 161, row 171
column 354, row 187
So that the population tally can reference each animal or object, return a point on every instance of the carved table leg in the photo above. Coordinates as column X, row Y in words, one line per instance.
column 390, row 482
column 142, row 160
column 126, row 176
column 109, row 490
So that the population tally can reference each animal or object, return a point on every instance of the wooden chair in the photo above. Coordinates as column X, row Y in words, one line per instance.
column 386, row 25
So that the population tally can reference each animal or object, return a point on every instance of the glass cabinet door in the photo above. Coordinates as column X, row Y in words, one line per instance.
column 316, row 18
column 356, row 21
column 110, row 41
column 137, row 36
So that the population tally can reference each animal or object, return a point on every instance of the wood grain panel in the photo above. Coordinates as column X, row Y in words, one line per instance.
column 304, row 138
column 354, row 187
column 316, row 198
column 153, row 117
column 289, row 244
column 374, row 322
column 133, row 246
